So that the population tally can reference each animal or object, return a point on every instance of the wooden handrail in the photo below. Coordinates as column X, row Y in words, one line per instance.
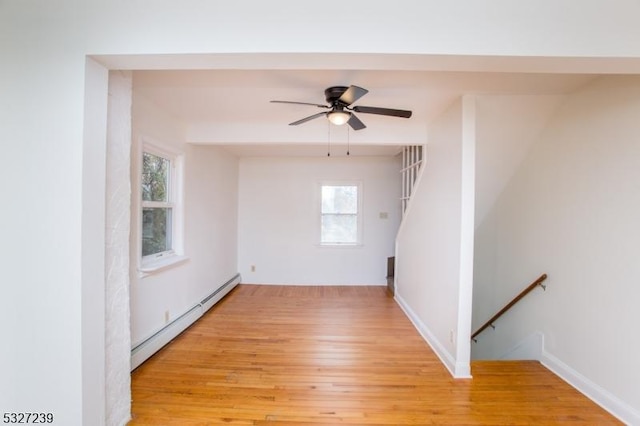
column 516, row 299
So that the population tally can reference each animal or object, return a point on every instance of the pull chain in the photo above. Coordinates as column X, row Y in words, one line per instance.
column 328, row 138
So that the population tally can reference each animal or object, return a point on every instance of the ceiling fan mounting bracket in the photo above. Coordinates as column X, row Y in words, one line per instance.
column 332, row 94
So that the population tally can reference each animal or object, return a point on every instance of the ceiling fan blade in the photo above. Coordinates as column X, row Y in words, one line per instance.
column 383, row 111
column 300, row 103
column 304, row 120
column 352, row 94
column 355, row 123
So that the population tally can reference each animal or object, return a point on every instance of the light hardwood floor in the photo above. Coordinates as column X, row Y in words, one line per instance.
column 295, row 355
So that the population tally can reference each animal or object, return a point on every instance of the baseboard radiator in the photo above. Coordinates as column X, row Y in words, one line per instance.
column 144, row 350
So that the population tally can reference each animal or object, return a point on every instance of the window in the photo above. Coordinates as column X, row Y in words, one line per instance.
column 340, row 222
column 160, row 209
column 157, row 205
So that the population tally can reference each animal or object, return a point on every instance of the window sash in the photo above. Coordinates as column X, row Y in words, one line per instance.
column 339, row 199
column 157, row 231
column 339, row 228
column 156, row 190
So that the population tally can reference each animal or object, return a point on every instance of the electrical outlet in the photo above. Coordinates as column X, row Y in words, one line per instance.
column 253, row 268
column 451, row 336
column 166, row 317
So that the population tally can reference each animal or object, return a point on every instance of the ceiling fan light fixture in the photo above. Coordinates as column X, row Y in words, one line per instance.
column 339, row 117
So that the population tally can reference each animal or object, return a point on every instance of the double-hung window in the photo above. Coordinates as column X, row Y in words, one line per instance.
column 340, row 213
column 158, row 190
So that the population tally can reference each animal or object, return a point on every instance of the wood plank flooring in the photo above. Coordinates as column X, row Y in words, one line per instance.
column 295, row 355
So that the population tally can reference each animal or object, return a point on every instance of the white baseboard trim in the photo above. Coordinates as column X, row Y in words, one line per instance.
column 597, row 394
column 153, row 344
column 208, row 302
column 445, row 357
column 463, row 370
column 145, row 349
column 532, row 347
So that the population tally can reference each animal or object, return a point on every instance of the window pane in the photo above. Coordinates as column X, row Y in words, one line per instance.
column 156, row 230
column 339, row 229
column 340, row 199
column 155, row 178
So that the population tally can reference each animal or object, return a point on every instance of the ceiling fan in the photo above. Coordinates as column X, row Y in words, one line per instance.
column 340, row 110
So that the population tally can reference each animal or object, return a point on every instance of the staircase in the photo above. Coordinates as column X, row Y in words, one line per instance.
column 412, row 160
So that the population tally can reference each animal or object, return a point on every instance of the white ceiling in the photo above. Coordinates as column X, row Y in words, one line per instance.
column 231, row 107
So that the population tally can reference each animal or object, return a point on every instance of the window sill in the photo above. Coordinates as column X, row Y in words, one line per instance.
column 156, row 266
column 346, row 246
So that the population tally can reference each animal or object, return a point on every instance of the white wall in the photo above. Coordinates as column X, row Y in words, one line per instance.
column 279, row 220
column 507, row 127
column 210, row 226
column 571, row 210
column 504, row 143
column 429, row 242
column 42, row 126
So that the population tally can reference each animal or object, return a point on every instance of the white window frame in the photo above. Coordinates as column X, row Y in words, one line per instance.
column 158, row 261
column 359, row 215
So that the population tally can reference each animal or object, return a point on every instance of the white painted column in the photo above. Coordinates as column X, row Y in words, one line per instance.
column 118, row 223
column 467, row 230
